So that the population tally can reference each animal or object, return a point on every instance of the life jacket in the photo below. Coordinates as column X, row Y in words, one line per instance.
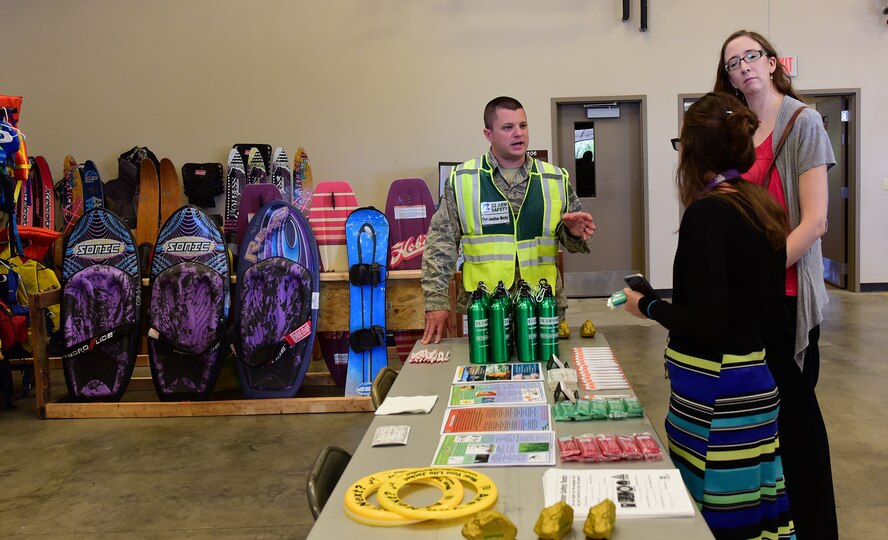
column 493, row 239
column 19, row 277
column 36, row 241
column 13, row 328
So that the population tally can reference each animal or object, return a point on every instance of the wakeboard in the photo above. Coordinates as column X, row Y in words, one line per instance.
column 101, row 300
column 366, row 232
column 190, row 297
column 276, row 303
column 235, row 182
column 331, row 203
column 254, row 197
column 409, row 208
column 264, row 150
column 257, row 168
column 280, row 174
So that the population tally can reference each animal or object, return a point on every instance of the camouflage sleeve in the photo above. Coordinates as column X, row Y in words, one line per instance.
column 573, row 243
column 439, row 257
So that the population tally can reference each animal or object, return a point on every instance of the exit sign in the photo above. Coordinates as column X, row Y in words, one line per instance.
column 790, row 64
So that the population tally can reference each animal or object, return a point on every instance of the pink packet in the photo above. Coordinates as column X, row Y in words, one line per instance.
column 589, row 451
column 628, row 446
column 648, row 446
column 610, row 450
column 568, row 449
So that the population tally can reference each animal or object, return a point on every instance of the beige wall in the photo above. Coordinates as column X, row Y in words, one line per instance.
column 382, row 89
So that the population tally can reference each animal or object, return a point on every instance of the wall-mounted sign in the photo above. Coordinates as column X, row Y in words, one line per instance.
column 790, row 64
column 542, row 155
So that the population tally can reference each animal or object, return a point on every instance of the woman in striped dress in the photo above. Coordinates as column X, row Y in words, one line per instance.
column 728, row 281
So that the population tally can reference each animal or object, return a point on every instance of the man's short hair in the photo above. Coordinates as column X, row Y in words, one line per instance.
column 502, row 102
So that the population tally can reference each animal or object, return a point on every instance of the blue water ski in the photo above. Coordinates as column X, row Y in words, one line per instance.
column 93, row 193
column 367, row 239
column 276, row 306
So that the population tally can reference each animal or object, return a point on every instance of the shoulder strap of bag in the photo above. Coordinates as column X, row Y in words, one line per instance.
column 766, row 181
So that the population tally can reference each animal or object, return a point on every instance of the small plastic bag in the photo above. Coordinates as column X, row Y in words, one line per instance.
column 564, row 411
column 610, row 450
column 633, row 407
column 616, row 410
column 589, row 451
column 568, row 450
column 598, row 408
column 629, row 447
column 648, row 446
column 584, row 410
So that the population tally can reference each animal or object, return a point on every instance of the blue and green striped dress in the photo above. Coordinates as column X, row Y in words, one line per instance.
column 722, row 431
column 722, row 420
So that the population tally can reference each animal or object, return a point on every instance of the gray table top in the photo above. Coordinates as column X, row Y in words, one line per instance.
column 520, row 488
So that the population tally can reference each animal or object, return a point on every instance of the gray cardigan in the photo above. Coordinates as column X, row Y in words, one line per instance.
column 807, row 146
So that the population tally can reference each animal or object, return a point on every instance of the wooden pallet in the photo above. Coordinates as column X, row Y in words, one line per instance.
column 404, row 311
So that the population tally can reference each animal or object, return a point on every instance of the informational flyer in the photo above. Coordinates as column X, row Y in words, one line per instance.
column 497, row 418
column 499, row 393
column 496, row 449
column 531, row 371
column 638, row 493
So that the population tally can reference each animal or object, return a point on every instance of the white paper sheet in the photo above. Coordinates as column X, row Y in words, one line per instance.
column 637, row 493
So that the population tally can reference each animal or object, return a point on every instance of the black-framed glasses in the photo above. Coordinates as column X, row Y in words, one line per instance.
column 676, row 144
column 749, row 57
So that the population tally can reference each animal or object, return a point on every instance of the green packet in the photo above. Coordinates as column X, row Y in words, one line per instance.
column 598, row 408
column 633, row 407
column 595, row 408
column 564, row 411
column 616, row 409
column 582, row 410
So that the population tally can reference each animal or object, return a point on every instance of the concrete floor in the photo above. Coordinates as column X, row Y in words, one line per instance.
column 244, row 477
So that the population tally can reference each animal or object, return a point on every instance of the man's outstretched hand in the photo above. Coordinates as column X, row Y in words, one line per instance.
column 579, row 224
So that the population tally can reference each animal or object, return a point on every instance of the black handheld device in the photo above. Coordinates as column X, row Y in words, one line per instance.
column 637, row 283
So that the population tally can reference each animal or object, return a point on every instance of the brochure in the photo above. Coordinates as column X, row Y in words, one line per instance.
column 471, row 373
column 497, row 418
column 499, row 393
column 496, row 449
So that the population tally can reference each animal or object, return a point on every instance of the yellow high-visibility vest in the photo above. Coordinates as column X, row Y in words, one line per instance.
column 493, row 238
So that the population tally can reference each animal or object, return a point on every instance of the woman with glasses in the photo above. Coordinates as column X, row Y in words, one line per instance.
column 748, row 66
column 727, row 284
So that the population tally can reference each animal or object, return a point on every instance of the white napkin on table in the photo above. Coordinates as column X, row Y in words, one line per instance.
column 406, row 404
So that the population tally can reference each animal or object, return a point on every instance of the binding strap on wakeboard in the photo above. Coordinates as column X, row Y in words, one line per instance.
column 366, row 274
column 367, row 338
column 170, row 347
column 269, row 354
column 86, row 348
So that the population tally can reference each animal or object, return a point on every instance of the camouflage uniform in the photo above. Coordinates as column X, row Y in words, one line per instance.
column 442, row 242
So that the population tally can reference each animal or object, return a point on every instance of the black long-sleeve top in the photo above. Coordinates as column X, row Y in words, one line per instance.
column 728, row 283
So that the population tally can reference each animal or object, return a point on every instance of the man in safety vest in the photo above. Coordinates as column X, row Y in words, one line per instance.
column 509, row 211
